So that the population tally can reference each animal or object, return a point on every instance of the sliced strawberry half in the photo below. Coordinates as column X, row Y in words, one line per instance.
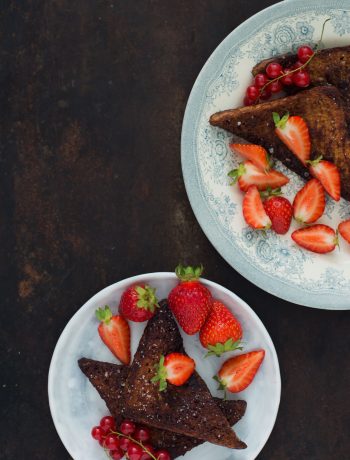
column 253, row 209
column 344, row 230
column 294, row 133
column 238, row 372
column 328, row 174
column 255, row 153
column 115, row 333
column 174, row 368
column 248, row 174
column 316, row 238
column 309, row 202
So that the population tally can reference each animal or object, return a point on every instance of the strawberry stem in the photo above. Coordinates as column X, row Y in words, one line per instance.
column 220, row 348
column 315, row 161
column 188, row 273
column 104, row 315
column 298, row 68
column 147, row 298
column 161, row 374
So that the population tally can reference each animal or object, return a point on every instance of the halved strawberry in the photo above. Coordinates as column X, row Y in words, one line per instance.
column 255, row 153
column 344, row 230
column 309, row 202
column 316, row 238
column 328, row 174
column 115, row 333
column 294, row 133
column 175, row 368
column 238, row 372
column 248, row 174
column 253, row 209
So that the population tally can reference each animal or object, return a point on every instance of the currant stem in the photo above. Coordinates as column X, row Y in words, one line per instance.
column 134, row 441
column 298, row 68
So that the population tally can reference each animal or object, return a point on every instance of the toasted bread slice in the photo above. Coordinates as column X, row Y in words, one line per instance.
column 324, row 111
column 188, row 409
column 109, row 380
column 329, row 66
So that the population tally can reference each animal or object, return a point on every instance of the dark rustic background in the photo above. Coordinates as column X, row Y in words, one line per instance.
column 92, row 99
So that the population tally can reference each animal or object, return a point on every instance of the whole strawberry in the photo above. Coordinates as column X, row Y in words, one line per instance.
column 138, row 303
column 190, row 301
column 280, row 212
column 221, row 331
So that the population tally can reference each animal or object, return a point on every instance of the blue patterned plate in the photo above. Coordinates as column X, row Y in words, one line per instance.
column 272, row 262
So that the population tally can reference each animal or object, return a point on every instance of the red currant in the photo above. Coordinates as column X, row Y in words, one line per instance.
column 142, row 434
column 275, row 86
column 247, row 101
column 260, row 80
column 162, row 455
column 296, row 65
column 273, row 70
column 252, row 92
column 127, row 427
column 266, row 93
column 149, row 447
column 145, row 455
column 124, row 443
column 287, row 80
column 116, row 454
column 304, row 53
column 301, row 79
column 107, row 423
column 112, row 442
column 98, row 433
column 134, row 452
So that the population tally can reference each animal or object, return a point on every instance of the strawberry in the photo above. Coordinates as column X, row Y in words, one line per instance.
column 328, row 174
column 221, row 331
column 344, row 230
column 138, row 303
column 253, row 209
column 248, row 174
column 174, row 368
column 190, row 301
column 294, row 133
column 309, row 202
column 255, row 153
column 280, row 211
column 115, row 333
column 238, row 372
column 316, row 238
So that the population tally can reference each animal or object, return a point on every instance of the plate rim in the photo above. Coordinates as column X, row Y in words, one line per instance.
column 236, row 258
column 159, row 275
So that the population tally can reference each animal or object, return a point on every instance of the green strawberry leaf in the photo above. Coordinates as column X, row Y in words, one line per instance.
column 280, row 122
column 105, row 315
column 161, row 375
column 147, row 298
column 188, row 273
column 235, row 174
column 220, row 348
column 315, row 161
column 222, row 385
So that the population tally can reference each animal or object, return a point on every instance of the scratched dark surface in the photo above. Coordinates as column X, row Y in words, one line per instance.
column 92, row 100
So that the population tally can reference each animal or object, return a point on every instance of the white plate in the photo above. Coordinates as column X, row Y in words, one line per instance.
column 273, row 262
column 76, row 406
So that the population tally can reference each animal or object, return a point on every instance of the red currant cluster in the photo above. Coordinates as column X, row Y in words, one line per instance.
column 131, row 441
column 266, row 84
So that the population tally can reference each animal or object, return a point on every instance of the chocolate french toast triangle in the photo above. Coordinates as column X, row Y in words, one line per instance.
column 325, row 113
column 109, row 380
column 188, row 409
